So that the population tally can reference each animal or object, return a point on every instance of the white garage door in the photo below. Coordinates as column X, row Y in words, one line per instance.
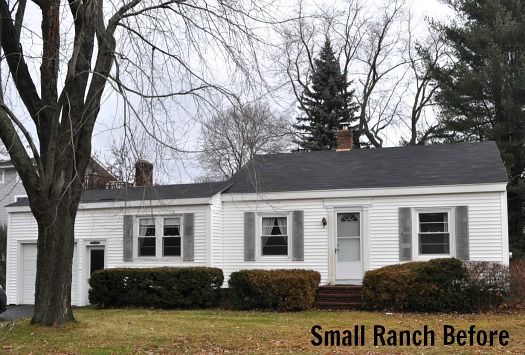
column 29, row 275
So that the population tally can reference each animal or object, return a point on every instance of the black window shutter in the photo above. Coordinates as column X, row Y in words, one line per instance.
column 405, row 234
column 188, row 237
column 298, row 236
column 127, row 242
column 249, row 236
column 462, row 234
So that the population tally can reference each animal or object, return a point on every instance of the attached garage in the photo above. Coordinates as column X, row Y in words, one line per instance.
column 28, row 273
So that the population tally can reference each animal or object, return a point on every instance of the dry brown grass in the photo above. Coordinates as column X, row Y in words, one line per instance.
column 217, row 331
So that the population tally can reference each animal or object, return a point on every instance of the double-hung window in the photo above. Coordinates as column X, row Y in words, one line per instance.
column 159, row 237
column 274, row 236
column 171, row 239
column 147, row 237
column 434, row 233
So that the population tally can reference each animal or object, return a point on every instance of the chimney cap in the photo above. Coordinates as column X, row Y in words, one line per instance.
column 344, row 125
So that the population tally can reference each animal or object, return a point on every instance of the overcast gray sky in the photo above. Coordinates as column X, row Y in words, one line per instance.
column 183, row 168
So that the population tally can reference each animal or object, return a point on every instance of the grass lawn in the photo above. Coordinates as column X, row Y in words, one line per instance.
column 218, row 331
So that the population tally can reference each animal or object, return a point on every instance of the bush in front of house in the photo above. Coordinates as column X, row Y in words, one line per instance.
column 438, row 285
column 280, row 290
column 517, row 284
column 488, row 283
column 166, row 287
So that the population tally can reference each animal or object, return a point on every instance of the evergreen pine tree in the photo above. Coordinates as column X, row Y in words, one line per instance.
column 326, row 103
column 482, row 94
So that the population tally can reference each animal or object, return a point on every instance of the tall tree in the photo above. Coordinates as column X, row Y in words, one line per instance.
column 232, row 137
column 147, row 50
column 326, row 103
column 482, row 89
column 371, row 44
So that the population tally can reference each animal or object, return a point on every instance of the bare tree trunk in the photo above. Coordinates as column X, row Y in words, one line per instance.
column 54, row 265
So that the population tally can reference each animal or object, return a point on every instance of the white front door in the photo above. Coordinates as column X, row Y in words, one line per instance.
column 348, row 247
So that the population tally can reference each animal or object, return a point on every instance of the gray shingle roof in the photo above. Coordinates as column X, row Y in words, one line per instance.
column 439, row 164
column 163, row 192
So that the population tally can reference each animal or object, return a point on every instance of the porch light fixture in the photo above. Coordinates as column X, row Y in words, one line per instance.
column 324, row 222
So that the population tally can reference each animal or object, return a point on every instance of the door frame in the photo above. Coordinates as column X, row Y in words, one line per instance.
column 87, row 264
column 333, row 208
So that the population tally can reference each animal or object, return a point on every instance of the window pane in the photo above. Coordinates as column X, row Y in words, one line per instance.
column 433, row 222
column 433, row 227
column 171, row 246
column 349, row 249
column 437, row 243
column 147, row 227
column 433, row 217
column 274, row 226
column 275, row 245
column 348, row 225
column 171, row 226
column 146, row 246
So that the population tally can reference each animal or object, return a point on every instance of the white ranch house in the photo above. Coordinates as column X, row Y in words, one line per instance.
column 338, row 212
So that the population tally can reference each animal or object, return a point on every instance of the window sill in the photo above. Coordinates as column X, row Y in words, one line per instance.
column 274, row 258
column 158, row 258
column 427, row 257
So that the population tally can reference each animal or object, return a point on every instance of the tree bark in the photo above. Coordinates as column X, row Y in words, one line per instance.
column 54, row 264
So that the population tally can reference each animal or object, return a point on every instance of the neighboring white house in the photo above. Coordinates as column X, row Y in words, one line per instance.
column 338, row 212
column 11, row 188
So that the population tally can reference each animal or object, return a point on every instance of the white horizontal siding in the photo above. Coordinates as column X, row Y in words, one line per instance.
column 216, row 230
column 105, row 225
column 487, row 228
column 315, row 237
column 382, row 231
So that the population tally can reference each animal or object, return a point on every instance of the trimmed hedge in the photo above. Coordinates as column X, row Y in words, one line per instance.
column 166, row 287
column 439, row 285
column 280, row 290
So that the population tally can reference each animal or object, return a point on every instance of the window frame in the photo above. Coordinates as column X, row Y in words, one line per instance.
column 16, row 198
column 415, row 232
column 159, row 235
column 259, row 236
column 163, row 218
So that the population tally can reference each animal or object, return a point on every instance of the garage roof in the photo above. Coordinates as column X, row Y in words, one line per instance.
column 161, row 192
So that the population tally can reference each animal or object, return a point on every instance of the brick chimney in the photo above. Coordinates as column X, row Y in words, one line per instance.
column 345, row 139
column 143, row 173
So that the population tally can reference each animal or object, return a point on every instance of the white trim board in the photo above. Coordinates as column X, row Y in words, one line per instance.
column 367, row 192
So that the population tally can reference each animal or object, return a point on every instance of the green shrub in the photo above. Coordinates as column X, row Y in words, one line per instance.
column 281, row 290
column 167, row 287
column 438, row 285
